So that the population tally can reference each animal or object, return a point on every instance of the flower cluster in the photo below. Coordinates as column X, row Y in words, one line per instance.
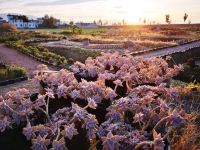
column 119, row 102
column 133, row 70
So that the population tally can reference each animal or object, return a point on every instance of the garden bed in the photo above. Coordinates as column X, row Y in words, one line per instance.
column 11, row 74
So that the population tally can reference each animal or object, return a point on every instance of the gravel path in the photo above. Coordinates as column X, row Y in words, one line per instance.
column 33, row 88
column 14, row 57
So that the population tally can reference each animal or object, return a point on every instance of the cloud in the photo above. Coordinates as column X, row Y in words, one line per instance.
column 57, row 2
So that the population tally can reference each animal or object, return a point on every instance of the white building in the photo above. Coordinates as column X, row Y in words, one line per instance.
column 22, row 22
column 2, row 20
column 87, row 25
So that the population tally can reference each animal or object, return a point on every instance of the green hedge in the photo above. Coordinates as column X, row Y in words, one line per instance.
column 12, row 72
column 39, row 52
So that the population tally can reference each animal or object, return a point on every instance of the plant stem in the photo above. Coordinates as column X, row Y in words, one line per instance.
column 140, row 145
column 94, row 145
column 160, row 122
column 58, row 135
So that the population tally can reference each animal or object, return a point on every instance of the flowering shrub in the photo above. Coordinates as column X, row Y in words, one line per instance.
column 126, row 106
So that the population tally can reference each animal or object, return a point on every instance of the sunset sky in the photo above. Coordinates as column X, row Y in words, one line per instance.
column 113, row 10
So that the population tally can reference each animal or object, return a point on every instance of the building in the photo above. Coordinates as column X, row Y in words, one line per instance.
column 22, row 22
column 58, row 22
column 87, row 25
column 2, row 20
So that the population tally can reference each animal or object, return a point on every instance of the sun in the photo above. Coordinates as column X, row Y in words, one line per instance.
column 136, row 9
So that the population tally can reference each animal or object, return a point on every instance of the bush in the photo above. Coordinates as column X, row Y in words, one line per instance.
column 6, row 27
column 12, row 72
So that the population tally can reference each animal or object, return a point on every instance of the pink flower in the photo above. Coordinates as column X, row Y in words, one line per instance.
column 50, row 93
column 40, row 143
column 118, row 82
column 158, row 142
column 69, row 131
column 75, row 94
column 110, row 94
column 168, row 58
column 91, row 103
column 138, row 117
column 61, row 90
column 111, row 142
column 59, row 145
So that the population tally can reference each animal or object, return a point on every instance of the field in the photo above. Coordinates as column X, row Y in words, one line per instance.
column 102, row 101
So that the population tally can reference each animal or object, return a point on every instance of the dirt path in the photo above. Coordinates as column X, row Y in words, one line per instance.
column 33, row 88
column 14, row 57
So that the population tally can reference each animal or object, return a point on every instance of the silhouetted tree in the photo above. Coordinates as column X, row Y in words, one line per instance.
column 100, row 22
column 123, row 22
column 167, row 19
column 144, row 21
column 24, row 18
column 94, row 22
column 185, row 17
column 49, row 22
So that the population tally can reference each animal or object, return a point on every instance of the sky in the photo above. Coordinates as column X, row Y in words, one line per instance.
column 132, row 11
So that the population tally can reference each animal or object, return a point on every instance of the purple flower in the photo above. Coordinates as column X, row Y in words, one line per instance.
column 4, row 123
column 91, row 103
column 138, row 117
column 40, row 143
column 175, row 119
column 69, row 131
column 110, row 94
column 91, row 126
column 75, row 94
column 50, row 93
column 80, row 113
column 59, row 145
column 118, row 82
column 110, row 142
column 158, row 142
column 61, row 90
column 28, row 132
column 26, row 107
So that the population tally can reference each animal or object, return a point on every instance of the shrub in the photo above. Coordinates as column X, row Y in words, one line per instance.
column 12, row 72
column 6, row 27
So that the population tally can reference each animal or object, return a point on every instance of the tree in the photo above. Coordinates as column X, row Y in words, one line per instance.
column 95, row 22
column 123, row 22
column 71, row 23
column 24, row 18
column 167, row 19
column 185, row 17
column 49, row 22
column 144, row 21
column 100, row 22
